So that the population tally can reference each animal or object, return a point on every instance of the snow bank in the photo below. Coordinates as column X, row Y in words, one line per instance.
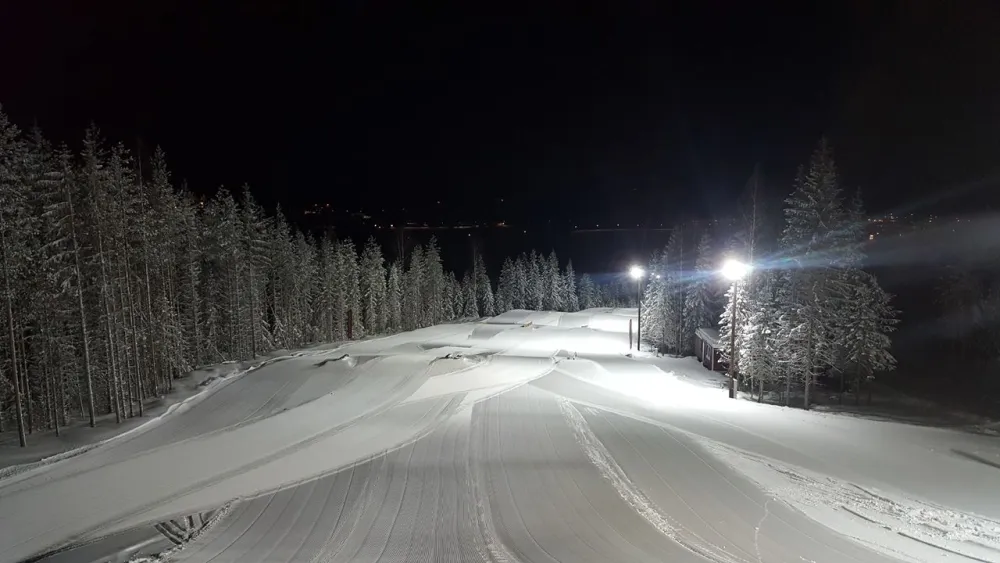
column 646, row 382
column 217, row 378
column 496, row 374
column 892, row 524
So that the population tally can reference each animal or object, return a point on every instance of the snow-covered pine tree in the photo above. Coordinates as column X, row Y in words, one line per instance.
column 537, row 282
column 505, row 287
column 190, row 260
column 470, row 305
column 12, row 257
column 163, row 247
column 304, row 290
column 63, row 255
column 412, row 298
column 725, row 321
column 257, row 252
column 484, row 289
column 674, row 295
column 654, row 301
column 372, row 287
column 394, row 295
column 98, row 210
column 434, row 279
column 325, row 299
column 553, row 283
column 351, row 287
column 457, row 296
column 281, row 285
column 759, row 339
column 588, row 297
column 570, row 300
column 522, row 277
column 700, row 299
column 819, row 241
column 868, row 320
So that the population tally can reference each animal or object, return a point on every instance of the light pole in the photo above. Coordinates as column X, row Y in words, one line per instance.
column 733, row 270
column 637, row 273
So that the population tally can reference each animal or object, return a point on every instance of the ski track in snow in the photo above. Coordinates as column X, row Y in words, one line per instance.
column 529, row 437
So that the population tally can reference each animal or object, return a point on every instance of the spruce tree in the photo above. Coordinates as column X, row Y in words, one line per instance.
column 506, row 287
column 434, row 283
column 394, row 297
column 470, row 306
column 700, row 299
column 412, row 298
column 570, row 301
column 373, row 287
column 588, row 297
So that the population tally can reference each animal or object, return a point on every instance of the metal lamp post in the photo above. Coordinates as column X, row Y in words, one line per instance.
column 734, row 270
column 637, row 274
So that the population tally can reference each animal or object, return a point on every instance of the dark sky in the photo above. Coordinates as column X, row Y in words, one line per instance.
column 576, row 109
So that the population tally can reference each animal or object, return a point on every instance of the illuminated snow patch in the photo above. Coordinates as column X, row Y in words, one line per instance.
column 897, row 526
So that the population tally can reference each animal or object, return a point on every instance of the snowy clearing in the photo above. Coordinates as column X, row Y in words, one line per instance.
column 526, row 437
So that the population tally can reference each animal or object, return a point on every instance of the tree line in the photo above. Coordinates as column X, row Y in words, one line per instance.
column 115, row 283
column 807, row 308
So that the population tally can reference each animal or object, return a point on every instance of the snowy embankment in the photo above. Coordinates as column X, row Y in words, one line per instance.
column 208, row 381
column 527, row 437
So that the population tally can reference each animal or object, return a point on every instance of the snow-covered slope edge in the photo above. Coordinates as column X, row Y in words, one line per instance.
column 13, row 473
column 900, row 527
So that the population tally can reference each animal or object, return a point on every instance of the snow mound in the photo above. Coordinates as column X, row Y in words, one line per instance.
column 218, row 378
column 345, row 359
column 645, row 382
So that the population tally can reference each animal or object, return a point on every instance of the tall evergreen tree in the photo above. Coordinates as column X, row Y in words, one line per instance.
column 588, row 293
column 394, row 295
column 373, row 288
column 699, row 300
column 506, row 287
column 570, row 300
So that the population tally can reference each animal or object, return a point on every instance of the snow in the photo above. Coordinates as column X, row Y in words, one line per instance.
column 709, row 335
column 50, row 448
column 531, row 436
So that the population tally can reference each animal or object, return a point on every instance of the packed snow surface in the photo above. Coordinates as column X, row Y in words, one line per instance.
column 528, row 437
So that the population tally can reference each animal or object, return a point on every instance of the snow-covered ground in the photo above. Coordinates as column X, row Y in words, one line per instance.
column 532, row 436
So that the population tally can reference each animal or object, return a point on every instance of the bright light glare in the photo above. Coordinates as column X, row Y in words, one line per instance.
column 734, row 270
column 636, row 272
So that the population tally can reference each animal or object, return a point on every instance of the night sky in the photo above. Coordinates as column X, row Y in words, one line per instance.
column 576, row 110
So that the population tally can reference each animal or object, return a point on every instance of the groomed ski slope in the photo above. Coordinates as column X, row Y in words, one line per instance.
column 530, row 437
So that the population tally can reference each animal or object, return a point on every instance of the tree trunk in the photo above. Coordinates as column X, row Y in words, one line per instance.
column 842, row 377
column 61, row 406
column 760, row 390
column 84, row 337
column 50, row 382
column 196, row 341
column 47, row 389
column 111, row 331
column 122, row 347
column 253, row 318
column 140, row 389
column 29, row 403
column 154, row 325
column 857, row 392
column 112, row 407
column 809, row 365
column 10, row 334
